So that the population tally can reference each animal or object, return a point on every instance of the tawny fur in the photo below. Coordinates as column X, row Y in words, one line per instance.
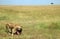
column 13, row 28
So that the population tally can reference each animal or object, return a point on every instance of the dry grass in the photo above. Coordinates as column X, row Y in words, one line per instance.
column 39, row 22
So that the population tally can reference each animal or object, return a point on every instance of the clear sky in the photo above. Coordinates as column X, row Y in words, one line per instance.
column 29, row 2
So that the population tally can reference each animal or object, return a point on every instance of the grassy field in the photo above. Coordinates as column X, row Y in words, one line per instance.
column 39, row 22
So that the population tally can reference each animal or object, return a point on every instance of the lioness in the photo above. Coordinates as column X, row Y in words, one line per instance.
column 13, row 28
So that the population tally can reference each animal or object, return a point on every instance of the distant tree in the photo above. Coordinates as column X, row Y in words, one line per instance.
column 51, row 3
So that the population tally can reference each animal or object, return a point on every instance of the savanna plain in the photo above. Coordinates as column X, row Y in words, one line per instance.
column 38, row 22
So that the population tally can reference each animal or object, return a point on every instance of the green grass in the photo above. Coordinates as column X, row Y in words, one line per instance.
column 39, row 22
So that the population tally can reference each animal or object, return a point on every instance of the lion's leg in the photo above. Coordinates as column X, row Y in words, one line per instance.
column 12, row 32
column 8, row 29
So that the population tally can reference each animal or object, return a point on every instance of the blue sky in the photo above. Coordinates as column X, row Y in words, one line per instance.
column 29, row 2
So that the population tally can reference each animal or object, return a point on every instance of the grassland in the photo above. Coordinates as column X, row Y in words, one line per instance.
column 39, row 22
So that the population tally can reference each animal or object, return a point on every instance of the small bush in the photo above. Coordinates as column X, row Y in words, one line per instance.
column 3, row 18
column 54, row 26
